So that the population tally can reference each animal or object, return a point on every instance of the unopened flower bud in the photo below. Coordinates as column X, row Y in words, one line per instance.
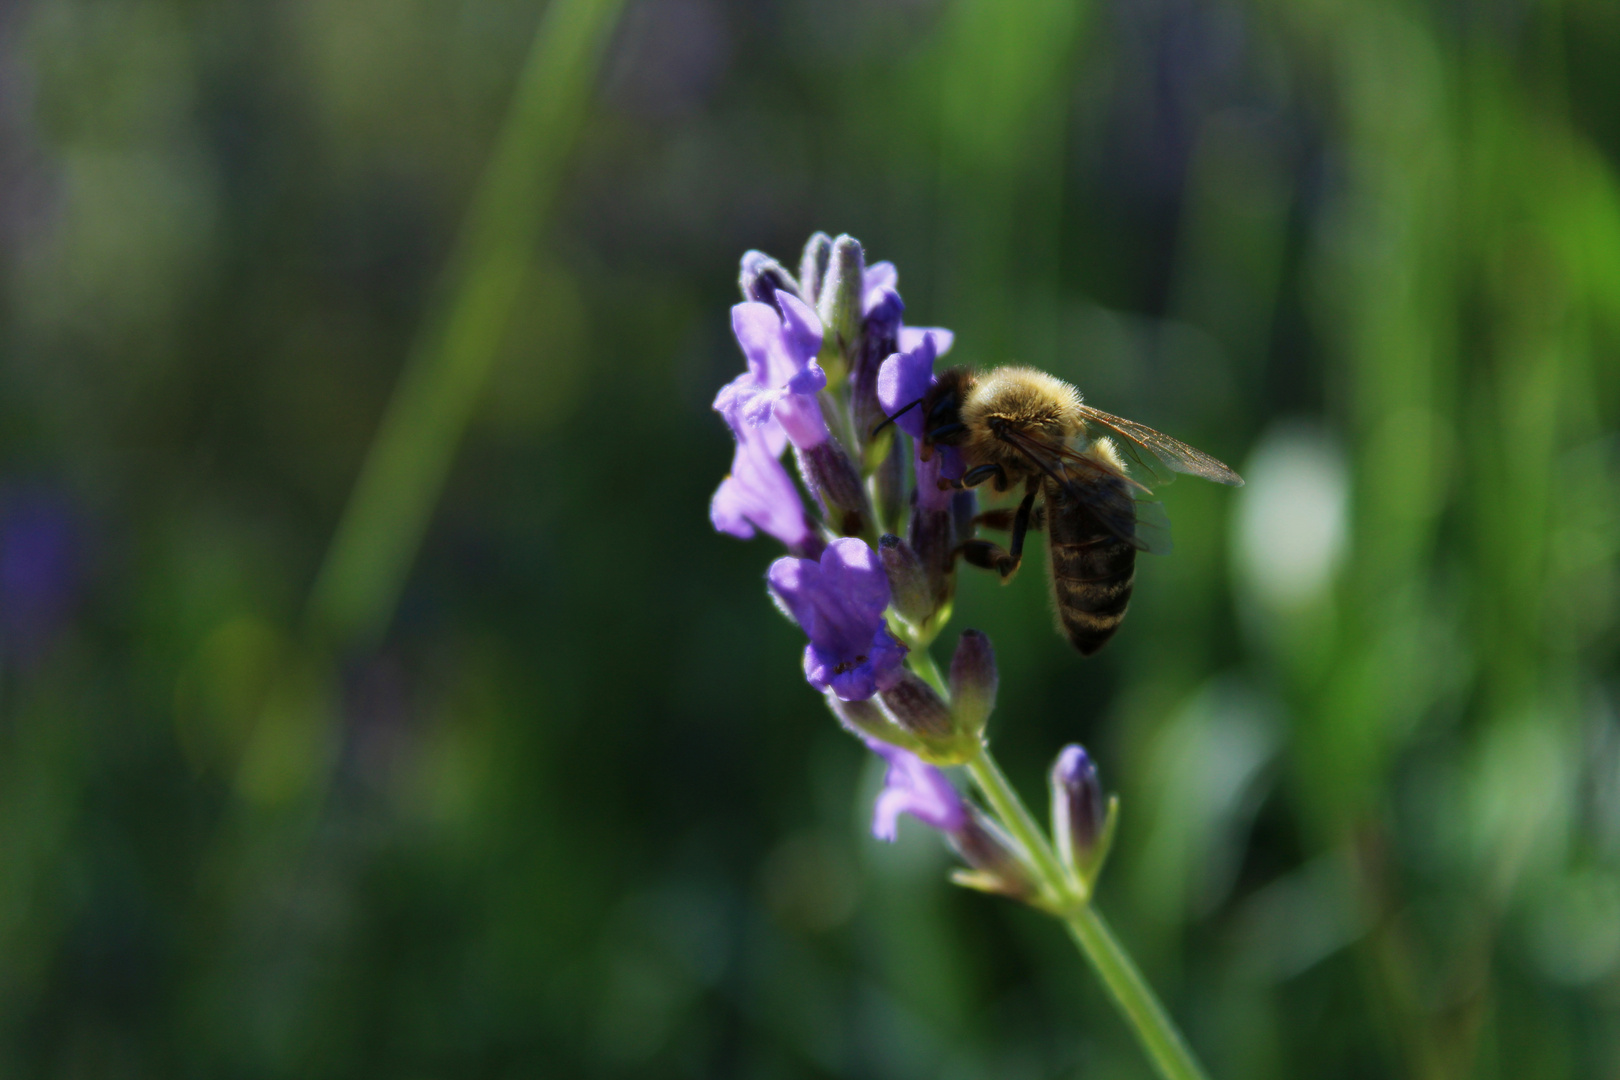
column 1081, row 818
column 762, row 276
column 891, row 488
column 833, row 480
column 931, row 538
column 917, row 708
column 813, row 267
column 839, row 305
column 908, row 584
column 994, row 857
column 867, row 720
column 973, row 682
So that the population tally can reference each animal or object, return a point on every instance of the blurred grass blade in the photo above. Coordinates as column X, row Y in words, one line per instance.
column 382, row 526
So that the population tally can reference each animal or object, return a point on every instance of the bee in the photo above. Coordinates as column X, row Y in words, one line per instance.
column 1019, row 426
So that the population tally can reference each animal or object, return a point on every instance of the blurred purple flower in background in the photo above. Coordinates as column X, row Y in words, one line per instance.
column 839, row 602
column 912, row 786
column 39, row 570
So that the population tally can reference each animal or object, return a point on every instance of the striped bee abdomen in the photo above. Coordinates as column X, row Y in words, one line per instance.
column 1092, row 568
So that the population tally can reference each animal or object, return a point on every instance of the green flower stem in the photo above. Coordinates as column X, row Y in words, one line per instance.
column 1163, row 1043
column 1056, row 888
column 921, row 663
column 1062, row 896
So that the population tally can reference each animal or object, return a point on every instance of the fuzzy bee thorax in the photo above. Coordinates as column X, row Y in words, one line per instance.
column 1026, row 398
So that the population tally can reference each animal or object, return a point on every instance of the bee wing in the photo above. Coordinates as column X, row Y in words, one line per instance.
column 1176, row 455
column 1152, row 527
column 1096, row 485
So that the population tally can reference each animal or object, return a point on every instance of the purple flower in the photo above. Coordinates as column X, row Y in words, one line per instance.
column 945, row 463
column 904, row 378
column 839, row 602
column 912, row 786
column 880, row 288
column 778, row 391
column 879, row 278
column 39, row 570
column 759, row 493
column 913, row 336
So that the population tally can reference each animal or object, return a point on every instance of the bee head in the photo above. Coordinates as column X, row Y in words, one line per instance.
column 942, row 408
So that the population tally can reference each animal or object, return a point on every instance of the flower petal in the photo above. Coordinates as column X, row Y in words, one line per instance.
column 879, row 278
column 760, row 493
column 800, row 327
column 735, row 401
column 913, row 336
column 912, row 786
column 903, row 379
column 799, row 416
column 758, row 330
column 854, row 572
column 794, row 582
column 727, row 510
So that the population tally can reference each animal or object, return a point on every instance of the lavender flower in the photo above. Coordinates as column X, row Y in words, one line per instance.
column 882, row 278
column 902, row 380
column 778, row 391
column 759, row 493
column 883, row 336
column 912, row 786
column 839, row 601
column 39, row 571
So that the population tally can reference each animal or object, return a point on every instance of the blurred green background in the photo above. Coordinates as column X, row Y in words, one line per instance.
column 375, row 699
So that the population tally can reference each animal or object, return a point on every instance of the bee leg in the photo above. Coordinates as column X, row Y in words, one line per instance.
column 990, row 556
column 1001, row 519
column 980, row 473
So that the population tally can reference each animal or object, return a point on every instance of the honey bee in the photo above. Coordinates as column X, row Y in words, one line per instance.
column 1017, row 425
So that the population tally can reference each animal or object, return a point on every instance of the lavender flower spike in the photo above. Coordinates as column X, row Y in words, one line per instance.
column 912, row 786
column 839, row 602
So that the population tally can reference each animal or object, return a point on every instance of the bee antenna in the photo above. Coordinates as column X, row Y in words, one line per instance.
column 887, row 420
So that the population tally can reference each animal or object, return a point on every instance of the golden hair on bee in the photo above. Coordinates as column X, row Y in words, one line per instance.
column 1020, row 399
column 1027, row 397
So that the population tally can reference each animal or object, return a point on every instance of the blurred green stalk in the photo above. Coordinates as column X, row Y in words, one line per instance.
column 399, row 484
